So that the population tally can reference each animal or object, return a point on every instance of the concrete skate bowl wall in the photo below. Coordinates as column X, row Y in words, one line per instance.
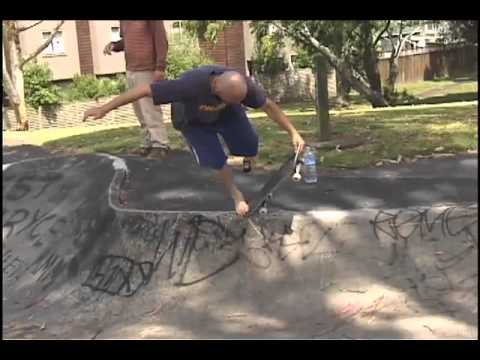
column 68, row 244
column 54, row 210
column 79, row 263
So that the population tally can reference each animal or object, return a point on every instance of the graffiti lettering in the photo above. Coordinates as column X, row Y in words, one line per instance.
column 23, row 184
column 118, row 275
column 47, row 267
column 35, row 223
column 401, row 225
column 11, row 264
column 192, row 249
column 17, row 217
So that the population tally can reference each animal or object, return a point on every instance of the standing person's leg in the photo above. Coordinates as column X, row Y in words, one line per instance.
column 150, row 116
column 208, row 152
column 146, row 145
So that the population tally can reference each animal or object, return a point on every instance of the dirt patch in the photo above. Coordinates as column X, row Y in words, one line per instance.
column 340, row 142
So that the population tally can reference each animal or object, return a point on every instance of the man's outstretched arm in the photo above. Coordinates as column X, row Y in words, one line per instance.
column 127, row 97
column 276, row 114
column 162, row 92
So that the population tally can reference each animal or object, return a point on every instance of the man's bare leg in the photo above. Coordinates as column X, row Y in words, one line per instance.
column 226, row 177
column 241, row 162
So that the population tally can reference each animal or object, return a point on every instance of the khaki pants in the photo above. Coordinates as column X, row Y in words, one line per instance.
column 149, row 115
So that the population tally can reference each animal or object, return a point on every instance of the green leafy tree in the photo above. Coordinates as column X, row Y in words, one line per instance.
column 184, row 54
column 13, row 62
column 268, row 57
column 348, row 46
column 465, row 31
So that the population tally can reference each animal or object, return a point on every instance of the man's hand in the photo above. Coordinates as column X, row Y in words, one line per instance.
column 298, row 142
column 242, row 208
column 158, row 75
column 95, row 112
column 277, row 115
column 108, row 49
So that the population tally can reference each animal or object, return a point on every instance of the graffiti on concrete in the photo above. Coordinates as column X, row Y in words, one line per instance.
column 189, row 249
column 119, row 275
column 402, row 225
column 11, row 263
column 172, row 243
column 438, row 245
column 24, row 185
column 57, row 237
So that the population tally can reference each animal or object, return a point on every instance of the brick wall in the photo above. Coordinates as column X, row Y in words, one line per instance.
column 84, row 46
column 70, row 115
column 229, row 50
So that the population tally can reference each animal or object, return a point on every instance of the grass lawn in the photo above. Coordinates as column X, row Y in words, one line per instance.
column 389, row 132
column 426, row 92
column 406, row 131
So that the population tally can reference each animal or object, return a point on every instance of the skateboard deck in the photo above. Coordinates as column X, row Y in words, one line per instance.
column 291, row 167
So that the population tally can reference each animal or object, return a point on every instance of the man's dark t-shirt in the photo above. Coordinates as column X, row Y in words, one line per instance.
column 200, row 105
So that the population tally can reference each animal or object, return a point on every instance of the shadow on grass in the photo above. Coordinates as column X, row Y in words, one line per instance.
column 459, row 79
column 448, row 98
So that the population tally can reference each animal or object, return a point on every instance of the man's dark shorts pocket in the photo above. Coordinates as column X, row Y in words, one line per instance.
column 179, row 118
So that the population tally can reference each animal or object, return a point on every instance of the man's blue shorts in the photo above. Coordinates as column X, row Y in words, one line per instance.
column 237, row 132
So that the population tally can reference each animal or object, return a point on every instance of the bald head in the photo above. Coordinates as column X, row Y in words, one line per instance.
column 231, row 87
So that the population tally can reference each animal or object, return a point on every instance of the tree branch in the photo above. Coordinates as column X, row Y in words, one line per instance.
column 403, row 41
column 349, row 73
column 20, row 29
column 381, row 33
column 43, row 46
column 400, row 32
column 390, row 37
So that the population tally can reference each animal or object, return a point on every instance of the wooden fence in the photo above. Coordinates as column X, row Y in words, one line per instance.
column 429, row 64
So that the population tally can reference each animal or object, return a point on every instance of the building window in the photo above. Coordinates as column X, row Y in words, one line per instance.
column 115, row 33
column 177, row 27
column 56, row 46
column 431, row 27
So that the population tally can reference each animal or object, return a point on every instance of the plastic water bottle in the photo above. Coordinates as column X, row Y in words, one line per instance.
column 309, row 166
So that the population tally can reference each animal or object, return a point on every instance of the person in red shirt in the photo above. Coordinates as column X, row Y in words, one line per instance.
column 145, row 45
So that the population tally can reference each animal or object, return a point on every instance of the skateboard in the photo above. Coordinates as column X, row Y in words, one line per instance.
column 291, row 168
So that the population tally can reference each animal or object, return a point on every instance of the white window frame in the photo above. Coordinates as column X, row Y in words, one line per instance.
column 56, row 46
column 115, row 33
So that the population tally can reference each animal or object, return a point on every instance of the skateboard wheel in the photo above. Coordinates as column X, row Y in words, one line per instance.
column 296, row 177
column 263, row 211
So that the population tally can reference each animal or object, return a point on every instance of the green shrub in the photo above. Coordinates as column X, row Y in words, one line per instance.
column 303, row 60
column 39, row 89
column 268, row 59
column 86, row 87
column 184, row 54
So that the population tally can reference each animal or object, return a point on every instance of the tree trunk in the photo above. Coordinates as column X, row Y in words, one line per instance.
column 374, row 97
column 343, row 92
column 393, row 72
column 371, row 69
column 16, row 74
column 321, row 85
column 20, row 108
column 370, row 59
